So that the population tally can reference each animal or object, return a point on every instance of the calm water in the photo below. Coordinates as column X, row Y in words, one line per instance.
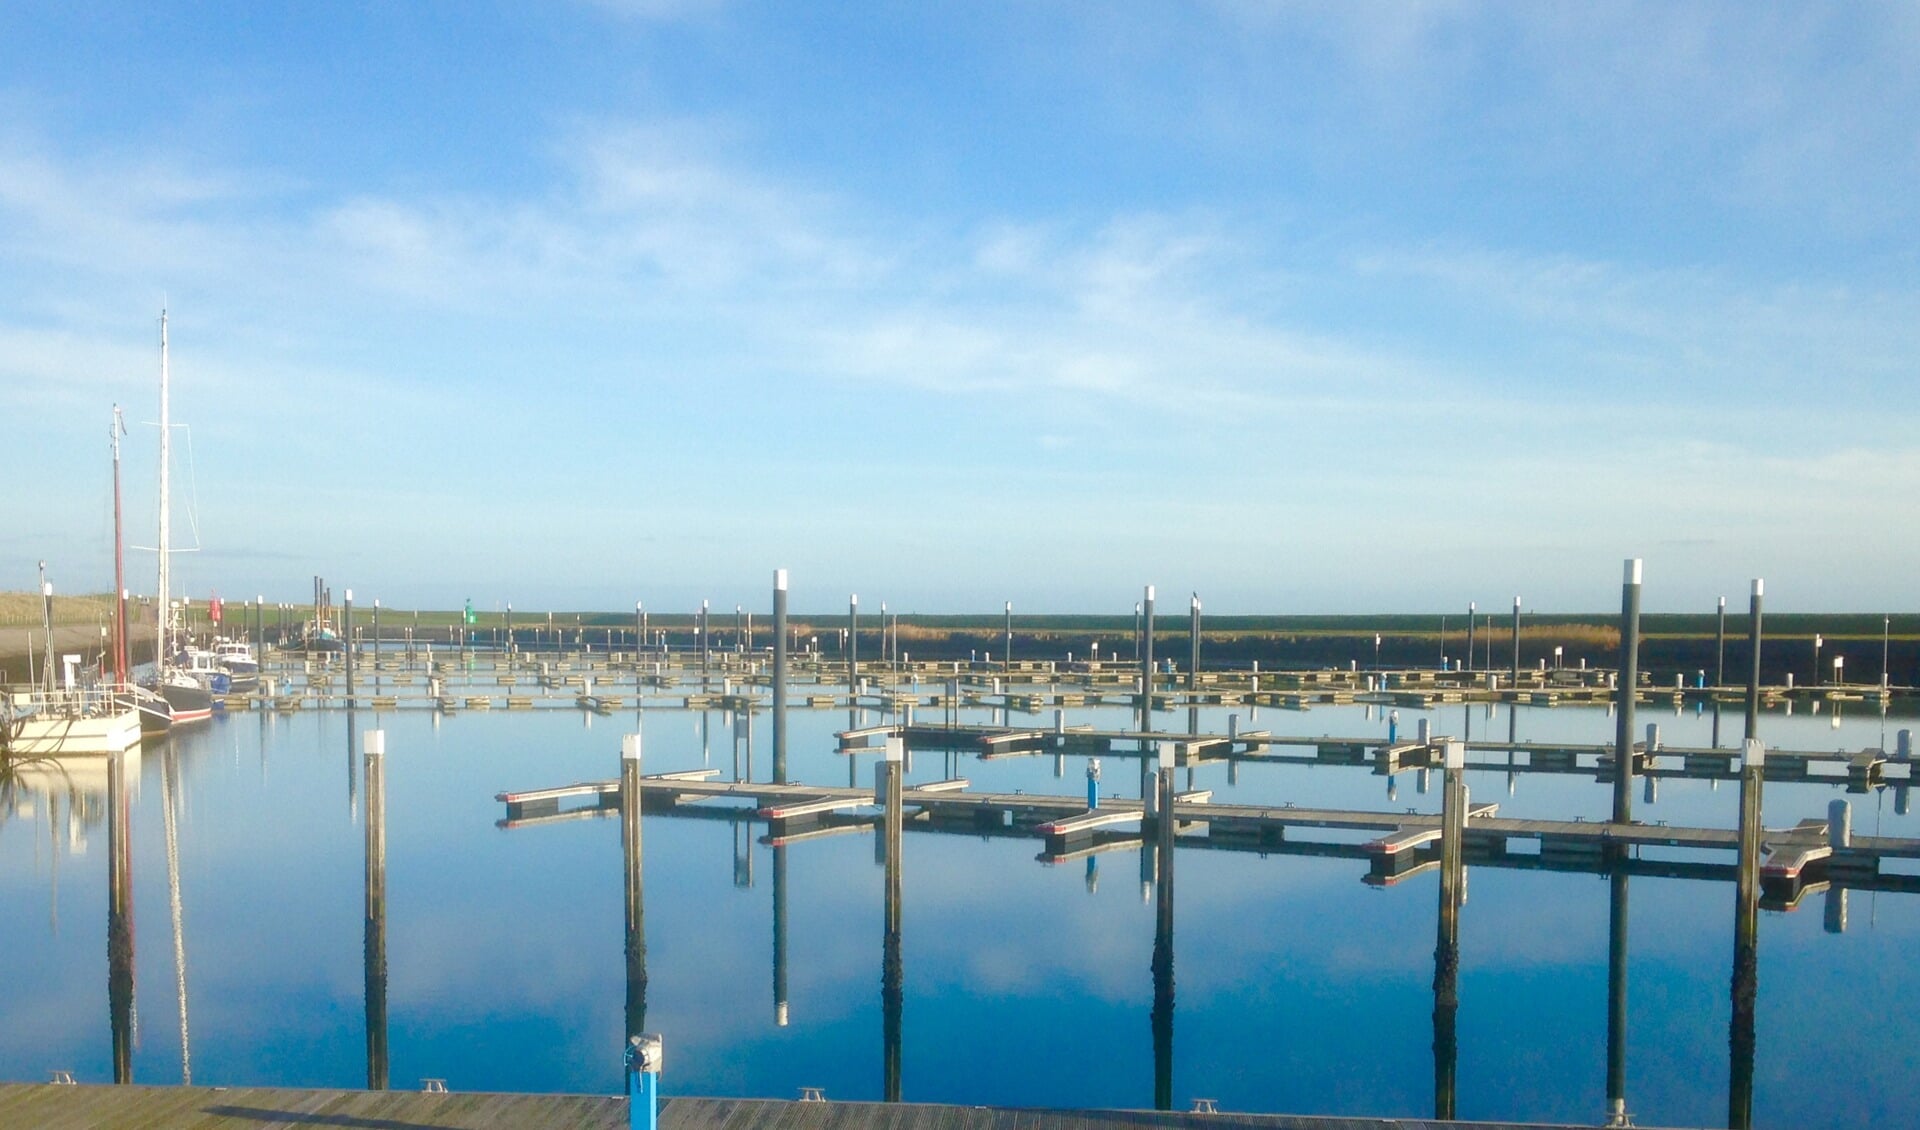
column 1299, row 988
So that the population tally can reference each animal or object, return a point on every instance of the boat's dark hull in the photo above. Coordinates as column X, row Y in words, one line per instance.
column 190, row 704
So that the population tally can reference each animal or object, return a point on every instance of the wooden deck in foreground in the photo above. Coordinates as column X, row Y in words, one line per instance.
column 47, row 1106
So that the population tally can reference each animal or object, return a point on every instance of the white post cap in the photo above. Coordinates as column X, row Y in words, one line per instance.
column 780, row 580
column 1754, row 753
column 1632, row 571
column 630, row 746
column 373, row 743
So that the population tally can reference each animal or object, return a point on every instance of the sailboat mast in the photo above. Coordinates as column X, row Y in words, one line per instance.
column 164, row 646
column 121, row 671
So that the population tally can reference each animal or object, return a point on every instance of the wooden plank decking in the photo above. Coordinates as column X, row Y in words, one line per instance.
column 47, row 1106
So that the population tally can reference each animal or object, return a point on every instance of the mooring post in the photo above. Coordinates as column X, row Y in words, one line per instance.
column 1163, row 995
column 346, row 638
column 892, row 981
column 1628, row 693
column 1006, row 663
column 1516, row 643
column 373, row 745
column 1472, row 614
column 780, row 676
column 705, row 650
column 1720, row 646
column 643, row 1082
column 853, row 642
column 1446, row 951
column 636, row 932
column 1146, row 662
column 1093, row 784
column 1193, row 644
column 1746, row 925
column 120, row 955
column 1753, row 669
column 1839, row 837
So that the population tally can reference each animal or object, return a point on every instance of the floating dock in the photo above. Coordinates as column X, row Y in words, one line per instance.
column 1396, row 845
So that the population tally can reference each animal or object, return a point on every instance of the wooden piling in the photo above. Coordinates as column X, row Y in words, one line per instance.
column 1146, row 662
column 892, row 977
column 1753, row 668
column 636, row 924
column 780, row 678
column 1193, row 644
column 375, row 748
column 120, row 955
column 1746, row 928
column 1162, row 1019
column 1454, row 804
column 1516, row 643
column 1628, row 693
column 346, row 641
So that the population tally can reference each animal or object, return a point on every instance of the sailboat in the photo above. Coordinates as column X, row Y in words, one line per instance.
column 156, row 714
column 190, row 696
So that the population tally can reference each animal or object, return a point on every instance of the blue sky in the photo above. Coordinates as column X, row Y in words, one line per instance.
column 1307, row 307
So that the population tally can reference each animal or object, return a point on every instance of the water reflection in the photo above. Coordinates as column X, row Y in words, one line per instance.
column 120, row 916
column 1446, row 949
column 1162, row 1021
column 374, row 933
column 235, row 807
column 636, row 917
column 892, row 971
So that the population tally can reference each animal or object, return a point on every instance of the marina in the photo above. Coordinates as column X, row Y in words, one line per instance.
column 945, row 768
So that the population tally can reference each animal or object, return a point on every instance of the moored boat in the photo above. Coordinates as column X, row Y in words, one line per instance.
column 190, row 694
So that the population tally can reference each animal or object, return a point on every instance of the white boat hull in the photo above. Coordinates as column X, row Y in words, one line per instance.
column 52, row 735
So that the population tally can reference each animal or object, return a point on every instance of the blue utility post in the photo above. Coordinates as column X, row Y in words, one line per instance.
column 643, row 1083
column 1093, row 784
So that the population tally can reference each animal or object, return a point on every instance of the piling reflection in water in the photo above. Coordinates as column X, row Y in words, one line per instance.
column 119, row 918
column 636, row 918
column 1617, row 996
column 1746, row 943
column 892, row 973
column 375, row 933
column 780, row 936
column 1446, row 950
column 1163, row 947
column 1746, row 902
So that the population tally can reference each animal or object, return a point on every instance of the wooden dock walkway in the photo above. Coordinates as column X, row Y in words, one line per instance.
column 1402, row 844
column 46, row 1106
column 1861, row 770
column 445, row 678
